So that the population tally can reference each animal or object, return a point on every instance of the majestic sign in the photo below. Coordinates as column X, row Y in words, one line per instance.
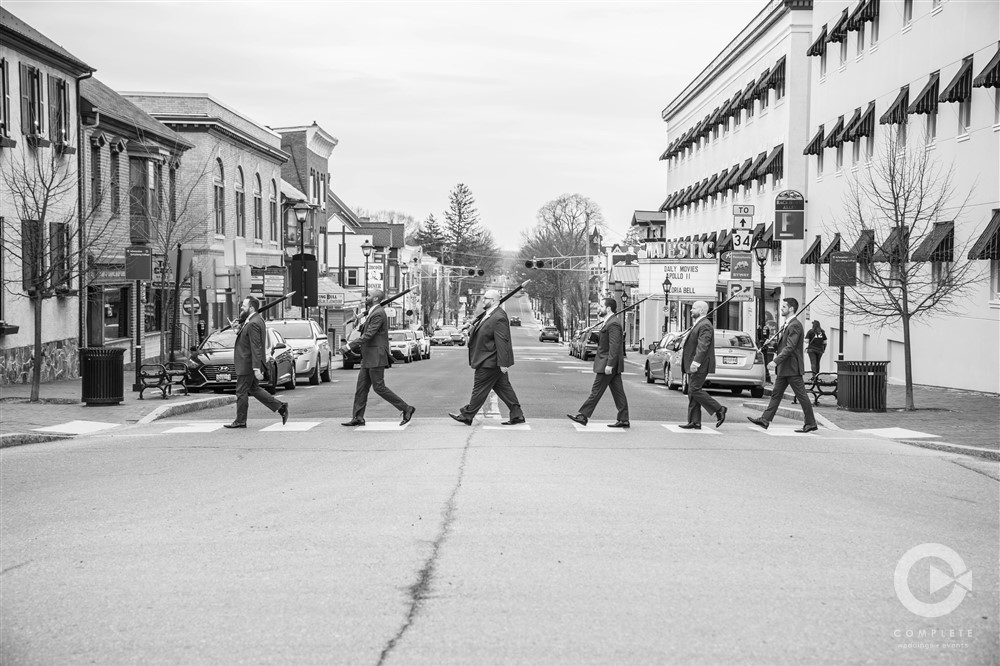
column 843, row 269
column 789, row 216
column 138, row 263
column 690, row 250
column 740, row 265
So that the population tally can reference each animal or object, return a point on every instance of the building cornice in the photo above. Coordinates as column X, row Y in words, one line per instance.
column 181, row 123
column 22, row 44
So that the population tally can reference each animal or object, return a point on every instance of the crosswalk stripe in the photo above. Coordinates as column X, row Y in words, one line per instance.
column 682, row 431
column 294, row 426
column 782, row 431
column 78, row 427
column 193, row 427
column 597, row 426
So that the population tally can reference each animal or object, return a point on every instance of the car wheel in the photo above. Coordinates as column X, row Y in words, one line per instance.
column 649, row 376
column 291, row 383
column 757, row 392
column 406, row 359
column 736, row 390
column 314, row 377
column 325, row 375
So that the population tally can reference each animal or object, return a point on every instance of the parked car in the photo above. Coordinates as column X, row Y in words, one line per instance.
column 738, row 364
column 212, row 363
column 458, row 337
column 657, row 358
column 403, row 345
column 309, row 346
column 548, row 333
column 442, row 336
column 515, row 321
column 423, row 344
column 588, row 346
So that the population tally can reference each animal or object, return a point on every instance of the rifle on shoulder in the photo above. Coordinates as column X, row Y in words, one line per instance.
column 267, row 306
column 479, row 318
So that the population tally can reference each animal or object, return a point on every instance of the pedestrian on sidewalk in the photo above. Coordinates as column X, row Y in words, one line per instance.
column 248, row 356
column 609, row 363
column 491, row 354
column 697, row 361
column 789, row 368
column 375, row 358
column 816, row 338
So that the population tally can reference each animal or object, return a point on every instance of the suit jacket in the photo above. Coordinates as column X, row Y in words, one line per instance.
column 489, row 342
column 699, row 346
column 374, row 340
column 250, row 346
column 610, row 345
column 788, row 360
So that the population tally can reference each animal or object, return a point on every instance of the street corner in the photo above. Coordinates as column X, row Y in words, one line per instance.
column 10, row 439
column 194, row 405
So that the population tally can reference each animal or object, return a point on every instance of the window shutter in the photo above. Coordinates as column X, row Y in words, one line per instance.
column 31, row 254
column 64, row 112
column 53, row 107
column 5, row 73
column 57, row 253
column 25, row 88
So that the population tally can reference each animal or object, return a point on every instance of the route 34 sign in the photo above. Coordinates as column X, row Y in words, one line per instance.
column 741, row 290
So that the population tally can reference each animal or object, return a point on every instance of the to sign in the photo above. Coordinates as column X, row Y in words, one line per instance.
column 739, row 210
column 741, row 290
column 789, row 216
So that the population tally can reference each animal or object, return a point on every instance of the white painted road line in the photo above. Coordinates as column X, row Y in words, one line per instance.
column 896, row 433
column 78, row 427
column 597, row 426
column 706, row 430
column 293, row 426
column 193, row 427
column 381, row 426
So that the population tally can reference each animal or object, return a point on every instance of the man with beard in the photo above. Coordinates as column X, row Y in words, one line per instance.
column 375, row 358
column 491, row 354
column 609, row 363
column 248, row 356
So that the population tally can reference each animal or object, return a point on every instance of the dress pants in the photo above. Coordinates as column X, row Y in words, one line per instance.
column 601, row 383
column 374, row 378
column 698, row 398
column 246, row 386
column 491, row 379
column 799, row 389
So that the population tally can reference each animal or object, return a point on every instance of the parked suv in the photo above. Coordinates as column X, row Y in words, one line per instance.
column 550, row 333
column 309, row 346
column 403, row 345
column 423, row 344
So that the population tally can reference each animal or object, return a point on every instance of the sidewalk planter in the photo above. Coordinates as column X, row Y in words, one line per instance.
column 102, row 371
column 861, row 385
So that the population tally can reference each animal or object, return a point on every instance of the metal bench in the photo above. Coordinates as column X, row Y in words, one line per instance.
column 153, row 376
column 824, row 383
column 176, row 375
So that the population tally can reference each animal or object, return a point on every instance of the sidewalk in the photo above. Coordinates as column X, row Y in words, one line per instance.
column 60, row 403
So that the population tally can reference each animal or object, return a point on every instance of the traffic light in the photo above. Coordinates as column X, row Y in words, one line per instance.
column 473, row 272
column 534, row 263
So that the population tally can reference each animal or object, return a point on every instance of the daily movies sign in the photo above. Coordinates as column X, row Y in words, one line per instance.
column 690, row 279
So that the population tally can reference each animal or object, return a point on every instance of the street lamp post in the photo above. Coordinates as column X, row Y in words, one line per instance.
column 666, row 303
column 760, row 249
column 367, row 248
column 301, row 211
column 403, row 270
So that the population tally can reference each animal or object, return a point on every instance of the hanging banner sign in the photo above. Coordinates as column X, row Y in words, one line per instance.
column 789, row 216
column 138, row 263
column 843, row 269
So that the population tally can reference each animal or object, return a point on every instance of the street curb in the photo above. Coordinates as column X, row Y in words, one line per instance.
column 796, row 414
column 21, row 438
column 944, row 447
column 175, row 409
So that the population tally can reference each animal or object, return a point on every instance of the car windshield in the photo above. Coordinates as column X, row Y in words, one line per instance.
column 220, row 340
column 397, row 336
column 549, row 329
column 731, row 339
column 293, row 329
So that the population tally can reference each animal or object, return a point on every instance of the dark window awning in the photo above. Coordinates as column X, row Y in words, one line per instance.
column 767, row 238
column 938, row 245
column 855, row 21
column 893, row 249
column 848, row 132
column 960, row 87
column 736, row 176
column 713, row 120
column 813, row 253
column 736, row 104
column 990, row 76
column 719, row 180
column 777, row 77
column 838, row 32
column 758, row 231
column 987, row 246
column 834, row 247
column 864, row 246
column 712, row 237
column 818, row 47
column 761, row 88
column 699, row 190
column 927, row 100
column 748, row 95
column 815, row 146
column 865, row 126
column 665, row 154
column 666, row 204
column 774, row 164
column 725, row 242
column 896, row 114
column 724, row 112
column 752, row 172
column 709, row 188
column 833, row 138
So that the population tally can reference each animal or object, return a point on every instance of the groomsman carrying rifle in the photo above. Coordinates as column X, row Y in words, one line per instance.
column 609, row 362
column 697, row 361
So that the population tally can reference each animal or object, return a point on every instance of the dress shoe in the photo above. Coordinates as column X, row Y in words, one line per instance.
column 407, row 415
column 808, row 428
column 354, row 423
column 235, row 425
column 513, row 421
column 720, row 416
column 579, row 418
column 283, row 411
column 461, row 419
column 760, row 422
column 690, row 426
column 619, row 424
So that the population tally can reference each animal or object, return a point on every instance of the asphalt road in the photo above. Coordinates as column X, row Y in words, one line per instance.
column 183, row 543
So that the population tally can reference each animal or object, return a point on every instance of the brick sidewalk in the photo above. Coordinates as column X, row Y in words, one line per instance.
column 60, row 403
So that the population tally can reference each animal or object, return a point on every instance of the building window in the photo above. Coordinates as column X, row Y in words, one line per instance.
column 59, row 255
column 172, row 197
column 156, row 191
column 779, row 89
column 965, row 115
column 901, row 136
column 940, row 272
column 241, row 205
column 995, row 279
column 737, row 117
column 750, row 106
column 874, row 36
column 273, row 206
column 220, row 199
column 142, row 197
column 907, row 12
column 258, row 208
column 819, row 163
column 764, row 99
column 869, row 147
column 312, row 186
column 95, row 176
column 840, row 156
column 352, row 277
column 775, row 252
column 856, row 150
column 115, row 182
column 843, row 51
column 156, row 306
column 4, row 100
column 32, row 254
column 861, row 39
column 930, row 126
column 322, row 201
column 32, row 101
column 59, row 118
column 822, row 64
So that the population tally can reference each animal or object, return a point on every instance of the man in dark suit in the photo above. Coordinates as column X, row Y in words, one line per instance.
column 789, row 368
column 697, row 361
column 609, row 363
column 375, row 358
column 248, row 356
column 491, row 354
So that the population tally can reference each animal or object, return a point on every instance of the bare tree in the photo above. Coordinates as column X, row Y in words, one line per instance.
column 57, row 241
column 906, row 203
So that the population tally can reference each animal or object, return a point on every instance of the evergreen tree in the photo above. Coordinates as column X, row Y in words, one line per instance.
column 431, row 237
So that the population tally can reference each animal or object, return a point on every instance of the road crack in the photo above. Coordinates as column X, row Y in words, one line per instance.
column 419, row 592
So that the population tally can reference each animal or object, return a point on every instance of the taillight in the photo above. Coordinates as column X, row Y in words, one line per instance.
column 759, row 358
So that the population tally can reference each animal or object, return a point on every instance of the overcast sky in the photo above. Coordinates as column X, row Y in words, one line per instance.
column 521, row 101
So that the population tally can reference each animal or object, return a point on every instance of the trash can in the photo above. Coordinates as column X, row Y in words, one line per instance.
column 102, row 370
column 861, row 385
